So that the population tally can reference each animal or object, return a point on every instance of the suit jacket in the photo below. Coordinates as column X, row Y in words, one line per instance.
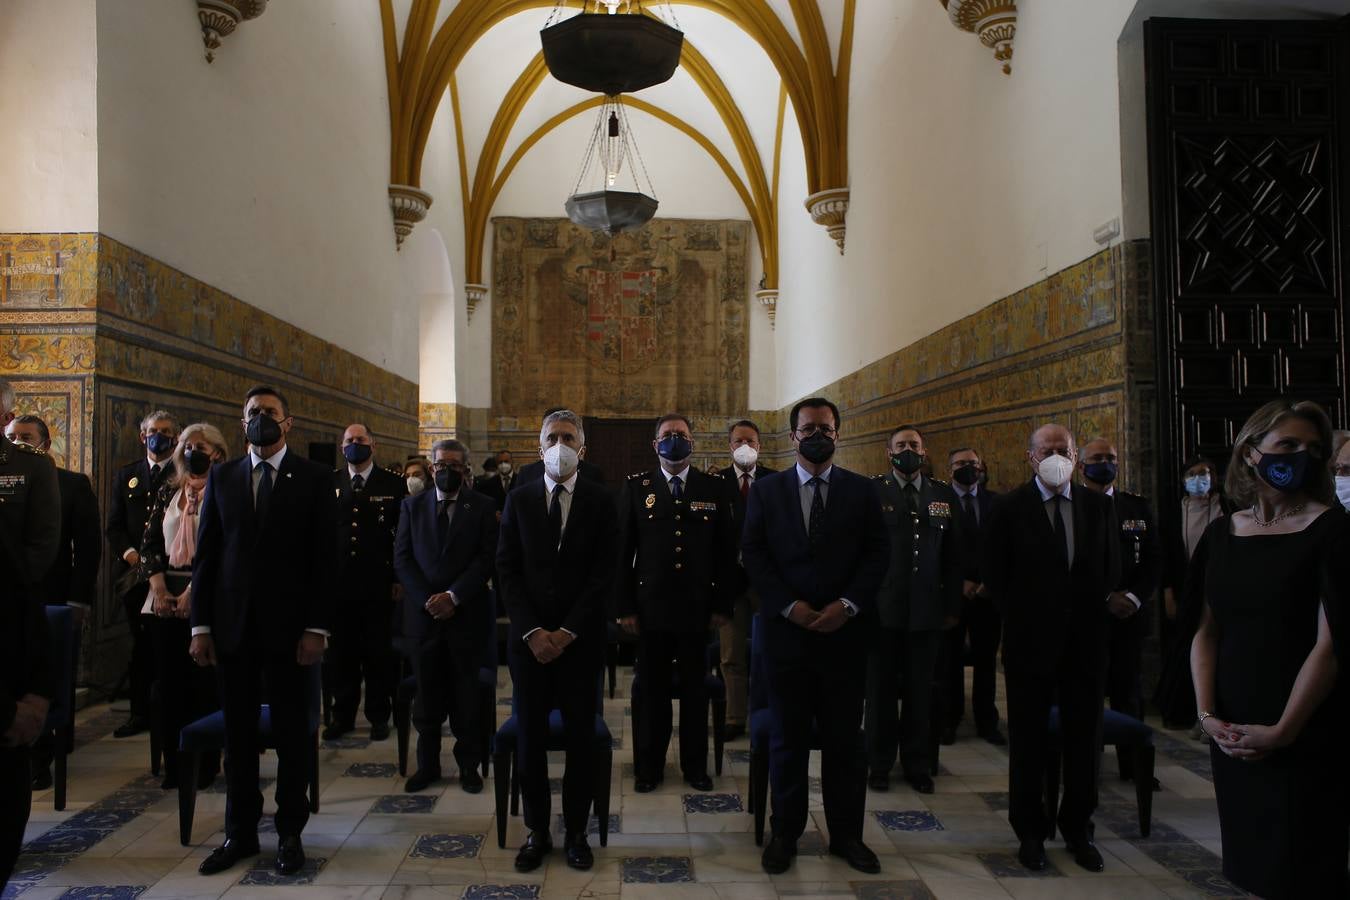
column 71, row 579
column 459, row 562
column 1141, row 560
column 491, row 486
column 265, row 583
column 848, row 562
column 550, row 587
column 130, row 502
column 923, row 583
column 973, row 534
column 366, row 525
column 535, row 472
column 733, row 475
column 677, row 562
column 1050, row 609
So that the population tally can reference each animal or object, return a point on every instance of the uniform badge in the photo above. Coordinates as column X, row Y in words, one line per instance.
column 940, row 510
column 646, row 482
column 133, row 482
column 650, row 501
column 337, row 492
column 698, row 505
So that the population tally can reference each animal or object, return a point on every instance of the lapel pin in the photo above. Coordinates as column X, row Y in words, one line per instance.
column 133, row 482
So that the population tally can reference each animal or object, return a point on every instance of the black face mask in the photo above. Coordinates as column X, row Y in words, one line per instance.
column 449, row 480
column 262, row 431
column 966, row 475
column 907, row 461
column 1101, row 473
column 816, row 449
column 1285, row 472
column 198, row 462
column 357, row 453
column 674, row 448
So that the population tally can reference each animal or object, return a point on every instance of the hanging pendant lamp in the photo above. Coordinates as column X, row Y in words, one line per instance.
column 611, row 149
column 611, row 52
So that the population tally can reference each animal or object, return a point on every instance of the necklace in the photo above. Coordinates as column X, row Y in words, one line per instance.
column 1293, row 510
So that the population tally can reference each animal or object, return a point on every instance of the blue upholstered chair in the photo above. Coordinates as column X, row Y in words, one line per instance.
column 208, row 733
column 1131, row 735
column 717, row 700
column 64, row 652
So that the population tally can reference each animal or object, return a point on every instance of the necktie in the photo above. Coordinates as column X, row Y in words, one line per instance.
column 443, row 519
column 968, row 504
column 1061, row 533
column 264, row 496
column 155, row 471
column 745, row 486
column 358, row 483
column 676, row 491
column 815, row 528
column 555, row 522
column 912, row 498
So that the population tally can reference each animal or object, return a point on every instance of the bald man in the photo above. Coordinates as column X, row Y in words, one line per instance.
column 1052, row 560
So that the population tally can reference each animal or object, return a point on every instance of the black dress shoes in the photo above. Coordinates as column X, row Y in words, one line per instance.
column 700, row 782
column 578, row 851
column 42, row 779
column 336, row 730
column 856, row 854
column 532, row 853
column 226, row 855
column 995, row 737
column 879, row 781
column 646, row 785
column 290, row 855
column 1032, row 855
column 948, row 736
column 1085, row 853
column 379, row 732
column 470, row 782
column 778, row 854
column 923, row 783
column 423, row 779
column 133, row 726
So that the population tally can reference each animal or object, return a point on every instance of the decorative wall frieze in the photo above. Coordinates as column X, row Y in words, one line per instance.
column 993, row 21
column 219, row 19
column 830, row 209
column 409, row 205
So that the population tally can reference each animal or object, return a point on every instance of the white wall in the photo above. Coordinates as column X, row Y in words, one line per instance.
column 265, row 173
column 48, row 104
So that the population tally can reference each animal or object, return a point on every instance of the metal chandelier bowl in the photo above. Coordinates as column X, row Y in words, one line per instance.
column 612, row 54
column 611, row 211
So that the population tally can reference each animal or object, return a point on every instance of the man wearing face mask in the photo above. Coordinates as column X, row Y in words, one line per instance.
column 447, row 537
column 920, row 598
column 556, row 555
column 677, row 573
column 263, row 582
column 368, row 499
column 815, row 549
column 1131, row 603
column 535, row 470
column 498, row 481
column 133, row 492
column 1052, row 559
column 734, row 637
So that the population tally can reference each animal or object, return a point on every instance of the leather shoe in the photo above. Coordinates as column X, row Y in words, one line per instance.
column 133, row 726
column 379, row 732
column 42, row 779
column 1086, row 855
column 879, row 781
column 646, row 785
column 778, row 854
column 856, row 854
column 290, row 855
column 335, row 731
column 995, row 737
column 733, row 731
column 226, row 855
column 923, row 783
column 532, row 853
column 423, row 779
column 470, row 781
column 1032, row 855
column 948, row 736
column 700, row 782
column 578, row 851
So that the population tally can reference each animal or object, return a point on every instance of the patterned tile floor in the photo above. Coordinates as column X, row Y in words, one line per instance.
column 118, row 837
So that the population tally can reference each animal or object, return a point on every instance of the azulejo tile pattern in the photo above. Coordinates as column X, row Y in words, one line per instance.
column 713, row 803
column 104, row 892
column 615, row 824
column 404, row 803
column 891, row 890
column 447, row 846
column 371, row 770
column 908, row 820
column 501, row 892
column 657, row 869
column 346, row 743
column 262, row 873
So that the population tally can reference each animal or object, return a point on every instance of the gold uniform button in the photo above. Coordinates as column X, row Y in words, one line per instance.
column 678, row 566
column 679, row 549
column 353, row 553
column 353, row 539
column 679, row 534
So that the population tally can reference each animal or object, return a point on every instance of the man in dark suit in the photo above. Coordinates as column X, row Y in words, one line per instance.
column 368, row 499
column 816, row 550
column 1131, row 603
column 133, row 493
column 30, row 531
column 263, row 582
column 920, row 598
column 734, row 637
column 677, row 571
column 1052, row 558
column 70, row 580
column 980, row 622
column 498, row 480
column 555, row 566
column 447, row 537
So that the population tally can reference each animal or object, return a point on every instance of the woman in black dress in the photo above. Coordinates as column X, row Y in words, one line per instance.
column 1264, row 661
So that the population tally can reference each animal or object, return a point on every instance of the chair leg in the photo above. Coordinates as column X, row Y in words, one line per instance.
column 1052, row 764
column 501, row 764
column 156, row 751
column 759, row 789
column 719, row 714
column 60, row 742
column 604, row 772
column 403, row 733
column 1144, row 759
column 612, row 663
column 515, row 784
column 314, row 776
column 188, row 764
column 488, row 724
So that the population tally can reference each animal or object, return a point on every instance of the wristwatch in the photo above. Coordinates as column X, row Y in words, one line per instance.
column 1200, row 719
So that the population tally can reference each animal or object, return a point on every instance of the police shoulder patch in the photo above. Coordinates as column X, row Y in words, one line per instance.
column 939, row 481
column 24, row 448
column 636, row 475
column 878, row 477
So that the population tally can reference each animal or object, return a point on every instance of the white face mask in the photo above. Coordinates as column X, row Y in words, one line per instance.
column 745, row 456
column 503, row 468
column 416, row 484
column 560, row 461
column 1055, row 470
column 1343, row 490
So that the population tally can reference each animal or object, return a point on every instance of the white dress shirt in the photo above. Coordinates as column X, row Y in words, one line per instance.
column 808, row 492
column 565, row 498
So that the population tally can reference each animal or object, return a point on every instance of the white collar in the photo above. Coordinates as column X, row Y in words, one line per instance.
column 274, row 459
column 569, row 485
column 804, row 476
column 683, row 474
column 1046, row 493
column 352, row 471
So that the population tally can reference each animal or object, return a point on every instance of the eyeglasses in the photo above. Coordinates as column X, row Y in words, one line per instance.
column 811, row 429
column 442, row 466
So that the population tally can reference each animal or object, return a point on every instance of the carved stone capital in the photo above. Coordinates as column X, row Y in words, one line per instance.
column 218, row 19
column 830, row 209
column 994, row 21
column 769, row 300
column 474, row 294
column 409, row 205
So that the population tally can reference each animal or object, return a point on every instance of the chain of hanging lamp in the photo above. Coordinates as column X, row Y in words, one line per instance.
column 611, row 7
column 614, row 147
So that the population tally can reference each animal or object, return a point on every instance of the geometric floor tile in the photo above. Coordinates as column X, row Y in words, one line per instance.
column 891, row 890
column 713, row 803
column 615, row 824
column 263, row 873
column 907, row 820
column 371, row 770
column 501, row 892
column 657, row 869
column 104, row 892
column 447, row 846
column 404, row 803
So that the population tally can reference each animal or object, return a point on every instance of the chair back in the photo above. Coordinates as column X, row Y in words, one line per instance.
column 62, row 652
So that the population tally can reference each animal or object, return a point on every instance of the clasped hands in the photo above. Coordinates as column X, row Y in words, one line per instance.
column 548, row 645
column 1251, row 743
column 826, row 621
column 167, row 606
column 1120, row 606
column 30, row 715
column 440, row 606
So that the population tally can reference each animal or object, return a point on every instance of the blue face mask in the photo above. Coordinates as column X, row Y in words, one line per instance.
column 1100, row 473
column 1198, row 485
column 674, row 447
column 158, row 443
column 357, row 453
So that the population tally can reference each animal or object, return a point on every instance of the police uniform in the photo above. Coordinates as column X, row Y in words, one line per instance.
column 361, row 644
column 133, row 495
column 30, row 531
column 1140, row 572
column 677, row 567
column 922, row 589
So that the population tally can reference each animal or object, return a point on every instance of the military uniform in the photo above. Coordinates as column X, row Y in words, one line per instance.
column 677, row 567
column 362, row 640
column 1140, row 572
column 30, row 531
column 922, row 589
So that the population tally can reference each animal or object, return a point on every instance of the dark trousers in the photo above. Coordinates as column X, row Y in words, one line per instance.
column 570, row 685
column 361, row 647
column 447, row 685
column 246, row 681
column 1124, row 684
column 141, row 668
column 16, row 801
column 900, row 671
column 186, row 690
column 1078, row 689
column 982, row 626
column 820, row 695
column 660, row 657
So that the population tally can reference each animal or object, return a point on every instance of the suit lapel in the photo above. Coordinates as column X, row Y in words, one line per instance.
column 792, row 490
column 242, row 481
column 1043, row 520
column 464, row 507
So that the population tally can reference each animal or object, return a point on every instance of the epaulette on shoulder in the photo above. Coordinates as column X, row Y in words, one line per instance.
column 636, row 475
column 881, row 477
column 939, row 481
column 24, row 448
